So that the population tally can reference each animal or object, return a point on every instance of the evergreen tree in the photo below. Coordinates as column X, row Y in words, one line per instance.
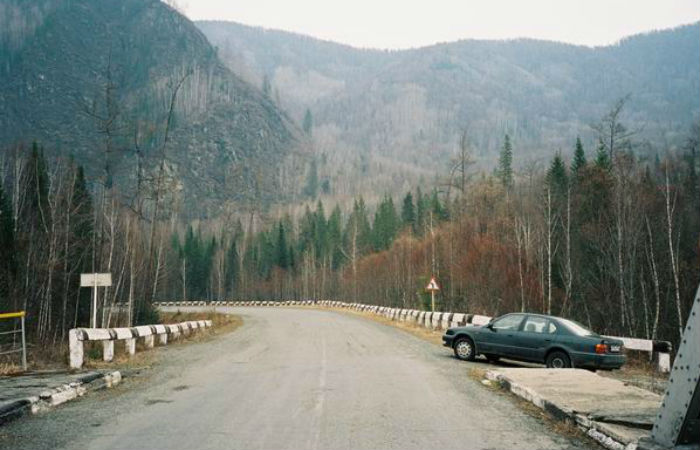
column 505, row 164
column 233, row 270
column 408, row 212
column 579, row 161
column 311, row 188
column 308, row 122
column 602, row 159
column 440, row 212
column 282, row 259
column 320, row 232
column 422, row 211
column 386, row 224
column 557, row 178
column 334, row 237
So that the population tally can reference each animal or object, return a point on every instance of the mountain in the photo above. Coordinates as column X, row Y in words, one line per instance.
column 407, row 109
column 94, row 79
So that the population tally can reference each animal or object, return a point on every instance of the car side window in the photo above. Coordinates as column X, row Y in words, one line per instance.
column 510, row 322
column 551, row 328
column 535, row 324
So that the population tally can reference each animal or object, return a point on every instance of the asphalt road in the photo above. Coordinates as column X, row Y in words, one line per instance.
column 294, row 379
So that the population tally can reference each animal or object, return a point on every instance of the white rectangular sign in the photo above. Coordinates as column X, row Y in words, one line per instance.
column 95, row 279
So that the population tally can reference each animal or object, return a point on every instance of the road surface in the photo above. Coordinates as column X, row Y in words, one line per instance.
column 294, row 379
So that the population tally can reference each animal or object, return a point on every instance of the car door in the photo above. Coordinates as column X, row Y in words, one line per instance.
column 533, row 339
column 501, row 335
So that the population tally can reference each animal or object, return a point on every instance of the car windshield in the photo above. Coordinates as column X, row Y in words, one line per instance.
column 577, row 328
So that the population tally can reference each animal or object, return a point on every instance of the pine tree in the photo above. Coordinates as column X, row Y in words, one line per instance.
column 386, row 224
column 505, row 164
column 334, row 237
column 579, row 161
column 557, row 178
column 602, row 160
column 308, row 122
column 408, row 212
column 311, row 188
column 232, row 270
column 282, row 259
column 440, row 212
column 422, row 211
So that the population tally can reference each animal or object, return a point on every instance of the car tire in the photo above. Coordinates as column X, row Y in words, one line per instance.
column 492, row 358
column 558, row 360
column 464, row 349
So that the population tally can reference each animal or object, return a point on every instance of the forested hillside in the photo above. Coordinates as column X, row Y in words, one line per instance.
column 94, row 80
column 390, row 117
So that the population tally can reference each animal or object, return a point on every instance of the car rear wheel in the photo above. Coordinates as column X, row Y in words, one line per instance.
column 558, row 360
column 464, row 349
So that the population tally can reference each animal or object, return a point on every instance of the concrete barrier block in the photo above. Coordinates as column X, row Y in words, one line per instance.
column 96, row 334
column 76, row 348
column 160, row 329
column 163, row 339
column 130, row 346
column 458, row 320
column 445, row 321
column 148, row 341
column 143, row 330
column 480, row 320
column 435, row 320
column 427, row 320
column 107, row 351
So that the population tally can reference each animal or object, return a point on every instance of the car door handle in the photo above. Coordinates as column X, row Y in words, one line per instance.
column 548, row 340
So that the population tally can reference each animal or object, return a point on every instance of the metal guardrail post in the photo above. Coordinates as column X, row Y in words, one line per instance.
column 24, row 345
column 17, row 315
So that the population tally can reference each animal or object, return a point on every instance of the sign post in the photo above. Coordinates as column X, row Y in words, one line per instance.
column 432, row 287
column 95, row 280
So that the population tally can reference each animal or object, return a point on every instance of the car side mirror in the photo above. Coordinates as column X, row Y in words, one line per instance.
column 490, row 326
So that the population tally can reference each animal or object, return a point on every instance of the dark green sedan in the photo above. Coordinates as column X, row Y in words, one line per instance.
column 556, row 342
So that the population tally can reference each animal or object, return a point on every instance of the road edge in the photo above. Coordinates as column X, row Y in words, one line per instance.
column 50, row 398
column 594, row 430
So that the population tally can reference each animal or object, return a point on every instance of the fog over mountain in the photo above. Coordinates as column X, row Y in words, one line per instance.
column 379, row 109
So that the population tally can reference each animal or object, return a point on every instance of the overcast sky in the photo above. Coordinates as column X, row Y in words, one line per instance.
column 412, row 23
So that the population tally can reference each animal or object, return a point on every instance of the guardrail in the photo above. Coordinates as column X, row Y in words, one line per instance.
column 23, row 340
column 658, row 350
column 108, row 336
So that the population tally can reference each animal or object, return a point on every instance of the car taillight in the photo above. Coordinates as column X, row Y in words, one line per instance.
column 601, row 348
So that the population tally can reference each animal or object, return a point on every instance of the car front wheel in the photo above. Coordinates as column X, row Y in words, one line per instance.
column 558, row 360
column 464, row 349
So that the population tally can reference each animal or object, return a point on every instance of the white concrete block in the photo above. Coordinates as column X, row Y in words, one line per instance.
column 107, row 351
column 130, row 346
column 149, row 341
column 76, row 348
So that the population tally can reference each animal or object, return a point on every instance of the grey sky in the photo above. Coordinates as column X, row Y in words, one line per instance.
column 411, row 23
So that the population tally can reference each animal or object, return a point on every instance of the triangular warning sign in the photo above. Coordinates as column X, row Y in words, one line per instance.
column 432, row 286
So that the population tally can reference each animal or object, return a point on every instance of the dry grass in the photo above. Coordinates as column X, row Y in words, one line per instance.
column 55, row 357
column 144, row 358
column 433, row 336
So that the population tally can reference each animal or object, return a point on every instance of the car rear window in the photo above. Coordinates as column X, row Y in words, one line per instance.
column 577, row 328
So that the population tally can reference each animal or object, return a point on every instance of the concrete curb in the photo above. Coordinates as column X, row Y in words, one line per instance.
column 596, row 431
column 51, row 398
